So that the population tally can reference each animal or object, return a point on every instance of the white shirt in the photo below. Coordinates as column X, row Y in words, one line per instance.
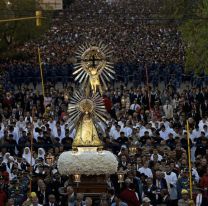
column 115, row 134
column 164, row 134
column 158, row 155
column 1, row 134
column 47, row 101
column 201, row 124
column 165, row 123
column 146, row 171
column 168, row 110
column 52, row 125
column 196, row 133
column 134, row 107
column 192, row 136
column 143, row 130
column 171, row 179
column 127, row 131
column 195, row 173
column 121, row 124
column 21, row 124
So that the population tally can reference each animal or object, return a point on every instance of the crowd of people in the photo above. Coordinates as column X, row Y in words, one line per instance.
column 129, row 28
column 146, row 128
column 122, row 25
column 151, row 120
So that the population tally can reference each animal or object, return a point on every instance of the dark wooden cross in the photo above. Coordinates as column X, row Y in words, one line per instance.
column 93, row 60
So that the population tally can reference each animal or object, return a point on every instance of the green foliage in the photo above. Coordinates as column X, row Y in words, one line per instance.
column 173, row 8
column 195, row 36
column 192, row 16
column 18, row 32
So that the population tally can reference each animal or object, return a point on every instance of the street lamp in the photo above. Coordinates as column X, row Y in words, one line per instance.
column 8, row 3
column 120, row 174
column 77, row 178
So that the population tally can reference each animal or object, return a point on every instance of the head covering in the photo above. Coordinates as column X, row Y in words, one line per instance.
column 11, row 158
column 146, row 199
column 41, row 153
column 28, row 156
column 183, row 192
column 6, row 157
column 33, row 194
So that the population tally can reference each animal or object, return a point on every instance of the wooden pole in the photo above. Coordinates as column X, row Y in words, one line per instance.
column 189, row 161
column 19, row 19
column 31, row 148
column 41, row 72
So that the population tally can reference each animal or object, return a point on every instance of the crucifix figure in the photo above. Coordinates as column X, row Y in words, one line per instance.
column 93, row 68
column 92, row 59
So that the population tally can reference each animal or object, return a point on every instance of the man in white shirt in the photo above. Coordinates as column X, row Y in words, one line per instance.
column 21, row 123
column 135, row 107
column 163, row 133
column 155, row 152
column 171, row 180
column 196, row 132
column 122, row 123
column 164, row 122
column 145, row 170
column 115, row 134
column 127, row 130
column 52, row 123
column 202, row 123
column 168, row 110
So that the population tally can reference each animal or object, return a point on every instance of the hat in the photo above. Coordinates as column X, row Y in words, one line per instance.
column 183, row 192
column 33, row 194
column 124, row 146
column 11, row 158
column 146, row 199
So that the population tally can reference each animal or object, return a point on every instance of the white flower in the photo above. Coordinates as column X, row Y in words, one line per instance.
column 87, row 163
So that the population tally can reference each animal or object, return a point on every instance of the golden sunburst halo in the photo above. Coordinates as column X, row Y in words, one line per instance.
column 93, row 66
column 81, row 104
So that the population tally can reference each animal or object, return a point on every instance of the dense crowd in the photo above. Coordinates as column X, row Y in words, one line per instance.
column 131, row 39
column 155, row 174
column 129, row 28
column 147, row 118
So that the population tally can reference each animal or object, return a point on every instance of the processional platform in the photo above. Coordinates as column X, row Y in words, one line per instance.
column 91, row 185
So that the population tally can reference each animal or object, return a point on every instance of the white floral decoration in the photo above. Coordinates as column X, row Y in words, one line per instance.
column 87, row 163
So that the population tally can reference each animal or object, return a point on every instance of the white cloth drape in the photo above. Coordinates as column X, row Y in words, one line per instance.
column 28, row 156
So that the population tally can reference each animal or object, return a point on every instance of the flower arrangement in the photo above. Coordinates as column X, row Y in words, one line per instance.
column 87, row 163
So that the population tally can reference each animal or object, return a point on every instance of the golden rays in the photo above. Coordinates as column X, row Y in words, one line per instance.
column 93, row 67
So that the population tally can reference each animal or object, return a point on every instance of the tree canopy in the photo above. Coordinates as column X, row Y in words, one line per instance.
column 18, row 32
column 192, row 16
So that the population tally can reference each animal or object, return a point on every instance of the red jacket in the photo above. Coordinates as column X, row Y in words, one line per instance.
column 204, row 181
column 129, row 197
column 204, row 184
column 3, row 198
column 108, row 104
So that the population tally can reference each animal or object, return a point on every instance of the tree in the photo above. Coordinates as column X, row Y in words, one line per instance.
column 18, row 32
column 192, row 21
